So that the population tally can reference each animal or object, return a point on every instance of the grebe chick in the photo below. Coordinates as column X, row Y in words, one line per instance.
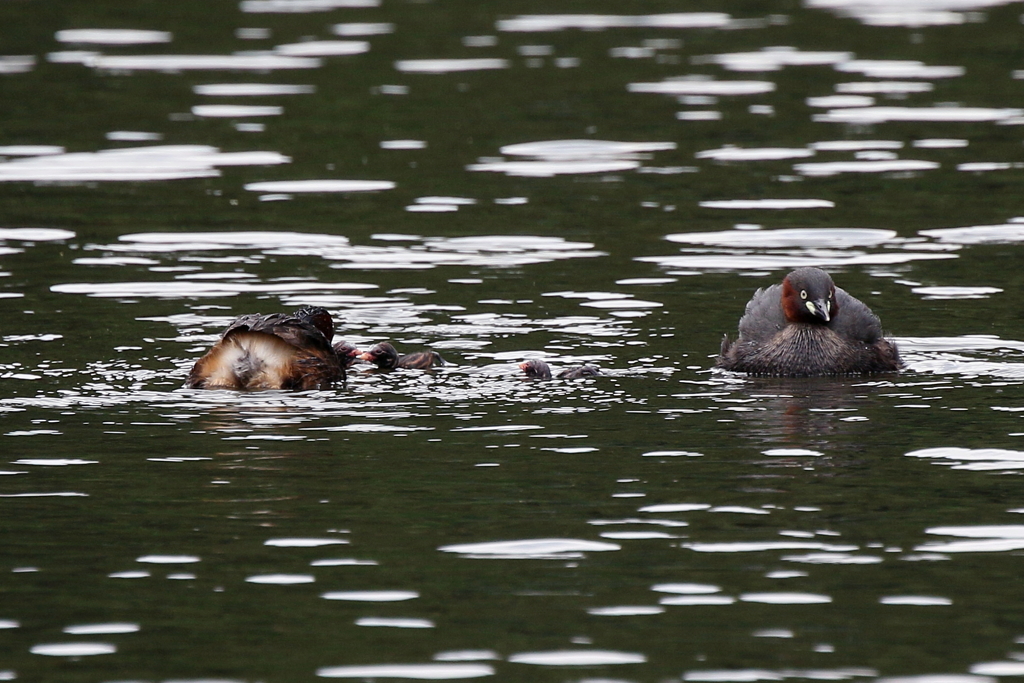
column 538, row 369
column 386, row 357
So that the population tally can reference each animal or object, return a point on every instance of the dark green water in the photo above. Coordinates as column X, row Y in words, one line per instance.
column 662, row 522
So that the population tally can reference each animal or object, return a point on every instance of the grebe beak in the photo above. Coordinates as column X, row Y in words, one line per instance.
column 820, row 308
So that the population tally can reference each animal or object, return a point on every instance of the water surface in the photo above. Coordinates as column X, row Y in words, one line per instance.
column 587, row 183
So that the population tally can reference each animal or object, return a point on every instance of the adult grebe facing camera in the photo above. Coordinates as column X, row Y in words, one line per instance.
column 807, row 327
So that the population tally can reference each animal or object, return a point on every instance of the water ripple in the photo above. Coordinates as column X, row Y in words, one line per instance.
column 176, row 63
column 160, row 162
column 112, row 36
column 444, row 66
column 772, row 59
column 73, row 649
column 686, row 86
column 577, row 658
column 542, row 548
column 426, row 672
column 876, row 115
column 528, row 23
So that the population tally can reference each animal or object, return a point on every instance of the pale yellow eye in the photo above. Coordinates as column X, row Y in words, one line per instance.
column 803, row 293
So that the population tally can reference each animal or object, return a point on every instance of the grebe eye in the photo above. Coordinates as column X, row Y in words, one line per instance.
column 803, row 293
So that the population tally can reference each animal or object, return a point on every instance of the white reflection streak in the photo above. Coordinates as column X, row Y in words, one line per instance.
column 956, row 292
column 786, row 598
column 773, row 59
column 874, row 115
column 730, row 153
column 101, row 629
column 785, row 238
column 174, row 63
column 557, row 157
column 190, row 241
column 530, row 548
column 71, row 56
column 855, row 145
column 686, row 588
column 112, row 36
column 547, row 169
column 840, row 101
column 235, row 110
column 983, row 546
column 251, row 89
column 829, row 168
column 884, row 87
column 583, row 149
column 363, row 29
column 16, row 64
column 434, row 672
column 163, row 162
column 30, row 150
column 301, row 6
column 899, row 68
column 910, row 13
column 484, row 250
column 323, row 48
column 73, row 649
column 1005, row 233
column 443, row 66
column 761, row 546
column 391, row 622
column 317, row 185
column 990, row 538
column 771, row 204
column 577, row 658
column 281, row 579
column 681, row 86
column 35, row 234
column 832, row 558
column 371, row 596
column 753, row 675
column 188, row 289
column 741, row 262
column 533, row 23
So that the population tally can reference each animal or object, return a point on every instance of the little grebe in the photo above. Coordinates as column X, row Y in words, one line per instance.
column 538, row 369
column 386, row 357
column 808, row 327
column 277, row 351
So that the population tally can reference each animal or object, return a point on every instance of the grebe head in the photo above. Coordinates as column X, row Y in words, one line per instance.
column 383, row 355
column 319, row 317
column 809, row 296
column 536, row 369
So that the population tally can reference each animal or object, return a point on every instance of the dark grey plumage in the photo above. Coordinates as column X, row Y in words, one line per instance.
column 538, row 369
column 386, row 357
column 806, row 327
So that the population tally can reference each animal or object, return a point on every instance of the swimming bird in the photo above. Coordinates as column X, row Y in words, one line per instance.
column 386, row 357
column 276, row 351
column 807, row 327
column 538, row 369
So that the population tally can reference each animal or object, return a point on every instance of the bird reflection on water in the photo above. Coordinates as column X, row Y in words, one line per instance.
column 805, row 412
